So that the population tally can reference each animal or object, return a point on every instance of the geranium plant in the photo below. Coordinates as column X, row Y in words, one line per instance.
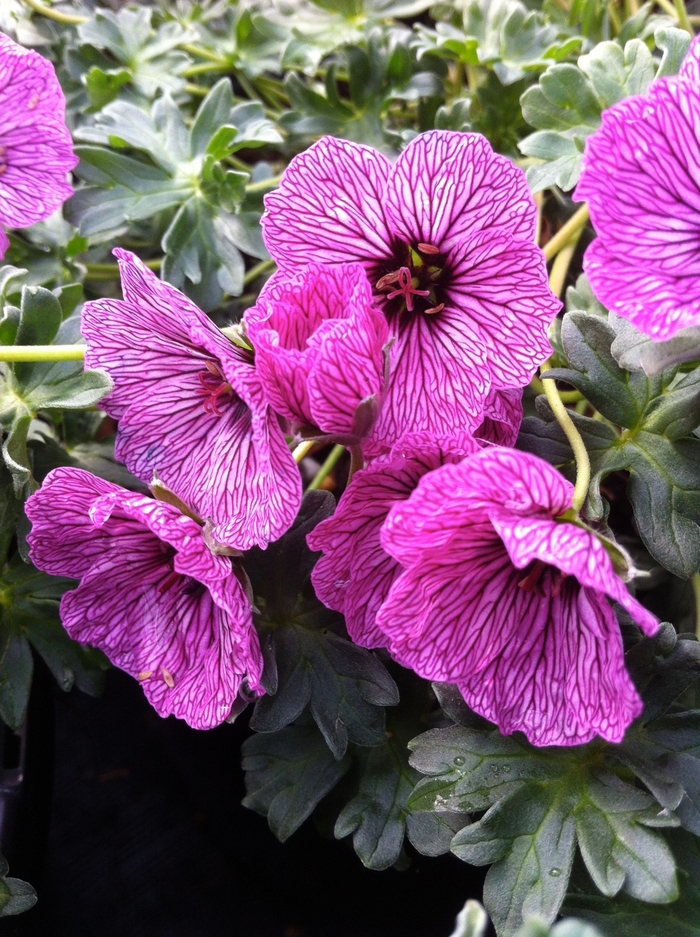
column 350, row 387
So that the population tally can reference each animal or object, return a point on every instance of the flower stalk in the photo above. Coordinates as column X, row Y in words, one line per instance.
column 327, row 467
column 572, row 229
column 42, row 353
column 68, row 19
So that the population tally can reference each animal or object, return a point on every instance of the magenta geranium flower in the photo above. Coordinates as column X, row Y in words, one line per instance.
column 641, row 178
column 36, row 152
column 319, row 350
column 502, row 598
column 503, row 414
column 355, row 573
column 445, row 235
column 191, row 409
column 152, row 596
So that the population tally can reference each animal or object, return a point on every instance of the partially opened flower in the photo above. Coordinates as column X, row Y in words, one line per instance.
column 355, row 573
column 191, row 409
column 319, row 350
column 503, row 597
column 152, row 596
column 446, row 238
column 641, row 178
column 36, row 152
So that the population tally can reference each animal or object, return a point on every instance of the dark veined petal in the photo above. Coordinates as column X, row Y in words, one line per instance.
column 355, row 573
column 501, row 284
column 154, row 598
column 562, row 680
column 690, row 69
column 641, row 178
column 329, row 207
column 448, row 186
column 503, row 414
column 469, row 492
column 227, row 460
column 36, row 152
column 439, row 378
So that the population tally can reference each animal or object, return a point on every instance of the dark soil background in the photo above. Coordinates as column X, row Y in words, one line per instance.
column 141, row 834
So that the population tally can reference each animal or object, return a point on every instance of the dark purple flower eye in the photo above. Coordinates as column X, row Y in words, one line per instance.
column 446, row 237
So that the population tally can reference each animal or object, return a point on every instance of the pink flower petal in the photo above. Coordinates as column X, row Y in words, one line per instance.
column 152, row 597
column 503, row 414
column 355, row 574
column 434, row 359
column 469, row 492
column 36, row 152
column 576, row 552
column 449, row 186
column 690, row 69
column 501, row 284
column 229, row 463
column 563, row 680
column 4, row 243
column 641, row 178
column 330, row 206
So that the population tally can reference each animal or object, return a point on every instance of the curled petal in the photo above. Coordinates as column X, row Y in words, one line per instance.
column 355, row 574
column 229, row 461
column 453, row 495
column 503, row 414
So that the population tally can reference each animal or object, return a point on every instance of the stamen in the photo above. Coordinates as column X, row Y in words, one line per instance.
column 559, row 583
column 429, row 249
column 533, row 577
column 431, row 312
column 387, row 281
column 169, row 581
column 32, row 102
column 144, row 675
column 167, row 677
column 407, row 289
column 214, row 385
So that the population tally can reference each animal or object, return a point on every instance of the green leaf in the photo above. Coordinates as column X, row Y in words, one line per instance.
column 149, row 57
column 308, row 659
column 568, row 101
column 376, row 815
column 16, row 896
column 103, row 86
column 539, row 803
column 287, row 774
column 16, row 669
column 628, row 917
column 472, row 921
column 634, row 351
column 674, row 43
column 657, row 415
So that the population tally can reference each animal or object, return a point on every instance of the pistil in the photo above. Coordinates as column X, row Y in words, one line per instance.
column 407, row 288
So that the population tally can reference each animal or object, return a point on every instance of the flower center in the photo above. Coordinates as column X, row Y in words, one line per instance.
column 214, row 387
column 531, row 580
column 415, row 285
column 3, row 159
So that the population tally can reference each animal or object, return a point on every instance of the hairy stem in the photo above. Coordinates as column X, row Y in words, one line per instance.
column 583, row 463
column 263, row 185
column 682, row 15
column 327, row 467
column 573, row 228
column 696, row 592
column 357, row 461
column 42, row 353
column 68, row 19
column 257, row 271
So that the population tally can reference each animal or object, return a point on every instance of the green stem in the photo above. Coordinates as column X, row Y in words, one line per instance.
column 263, row 185
column 615, row 20
column 574, row 226
column 696, row 592
column 196, row 90
column 327, row 467
column 682, row 15
column 560, row 267
column 105, row 272
column 42, row 353
column 203, row 69
column 257, row 271
column 668, row 7
column 583, row 464
column 67, row 19
column 203, row 53
column 302, row 450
